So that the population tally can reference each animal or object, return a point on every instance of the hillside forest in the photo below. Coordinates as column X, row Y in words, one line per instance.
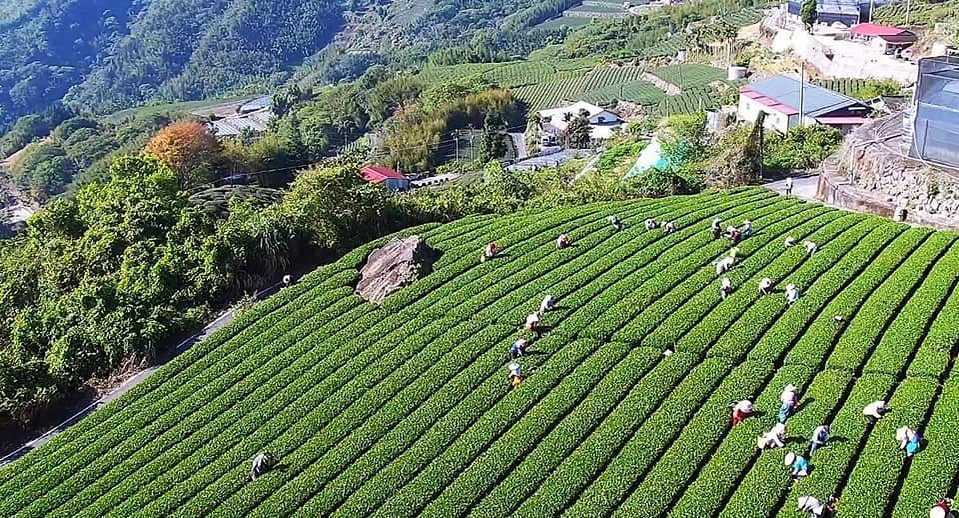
column 99, row 56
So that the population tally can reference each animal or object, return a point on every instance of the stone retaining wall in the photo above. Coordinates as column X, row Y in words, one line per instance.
column 871, row 173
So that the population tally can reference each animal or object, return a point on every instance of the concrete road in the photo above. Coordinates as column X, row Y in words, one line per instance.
column 803, row 186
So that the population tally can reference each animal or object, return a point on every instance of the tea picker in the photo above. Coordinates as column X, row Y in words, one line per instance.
column 262, row 463
column 616, row 223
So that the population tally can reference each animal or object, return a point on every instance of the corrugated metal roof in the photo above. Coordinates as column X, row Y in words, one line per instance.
column 816, row 99
column 257, row 121
column 379, row 173
column 257, row 104
column 874, row 29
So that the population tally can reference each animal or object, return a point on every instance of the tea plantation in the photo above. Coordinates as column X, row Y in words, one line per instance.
column 405, row 409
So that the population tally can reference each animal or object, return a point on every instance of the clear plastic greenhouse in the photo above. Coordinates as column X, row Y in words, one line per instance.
column 936, row 124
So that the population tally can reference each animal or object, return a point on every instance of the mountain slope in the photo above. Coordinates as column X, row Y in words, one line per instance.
column 47, row 46
column 100, row 56
column 192, row 49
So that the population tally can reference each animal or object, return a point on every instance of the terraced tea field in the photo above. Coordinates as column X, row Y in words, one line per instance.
column 405, row 409
column 690, row 75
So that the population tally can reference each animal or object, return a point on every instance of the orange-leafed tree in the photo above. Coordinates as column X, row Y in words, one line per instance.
column 189, row 148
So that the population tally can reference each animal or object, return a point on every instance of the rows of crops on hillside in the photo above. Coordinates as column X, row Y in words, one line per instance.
column 509, row 74
column 639, row 92
column 601, row 84
column 668, row 47
column 520, row 73
column 690, row 75
column 917, row 13
column 742, row 17
column 450, row 73
column 690, row 101
column 846, row 86
column 405, row 409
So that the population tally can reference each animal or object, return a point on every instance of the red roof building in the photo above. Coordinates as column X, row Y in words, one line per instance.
column 893, row 36
column 380, row 174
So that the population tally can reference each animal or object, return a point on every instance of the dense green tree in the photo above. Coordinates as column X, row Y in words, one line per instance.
column 44, row 169
column 807, row 12
column 493, row 138
column 874, row 88
column 578, row 132
column 684, row 138
column 534, row 134
column 802, row 147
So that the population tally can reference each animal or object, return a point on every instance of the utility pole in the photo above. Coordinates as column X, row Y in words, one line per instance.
column 761, row 122
column 802, row 88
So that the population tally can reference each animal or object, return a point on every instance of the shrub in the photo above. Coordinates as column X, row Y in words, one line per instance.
column 803, row 147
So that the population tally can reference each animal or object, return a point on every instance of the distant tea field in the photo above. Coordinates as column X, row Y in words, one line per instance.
column 405, row 409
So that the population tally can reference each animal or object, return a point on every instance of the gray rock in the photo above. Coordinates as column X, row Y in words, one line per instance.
column 400, row 263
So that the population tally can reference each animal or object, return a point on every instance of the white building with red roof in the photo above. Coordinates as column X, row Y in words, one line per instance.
column 782, row 98
column 886, row 37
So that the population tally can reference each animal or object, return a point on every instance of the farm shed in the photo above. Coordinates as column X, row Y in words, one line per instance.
column 887, row 37
column 782, row 98
column 389, row 177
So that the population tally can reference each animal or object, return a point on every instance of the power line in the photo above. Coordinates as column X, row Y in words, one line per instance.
column 375, row 153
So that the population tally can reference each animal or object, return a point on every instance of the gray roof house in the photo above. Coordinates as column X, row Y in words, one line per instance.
column 781, row 98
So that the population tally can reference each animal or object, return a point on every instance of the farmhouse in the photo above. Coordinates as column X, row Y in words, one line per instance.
column 782, row 98
column 387, row 176
column 602, row 122
column 889, row 39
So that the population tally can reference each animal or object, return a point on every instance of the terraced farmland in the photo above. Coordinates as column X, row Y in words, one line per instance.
column 405, row 409
column 921, row 14
column 690, row 101
column 602, row 84
column 548, row 83
column 690, row 75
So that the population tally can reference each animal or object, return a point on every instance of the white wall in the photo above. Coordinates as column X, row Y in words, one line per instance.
column 607, row 118
column 749, row 109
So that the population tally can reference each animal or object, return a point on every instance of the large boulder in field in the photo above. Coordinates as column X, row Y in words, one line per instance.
column 398, row 264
